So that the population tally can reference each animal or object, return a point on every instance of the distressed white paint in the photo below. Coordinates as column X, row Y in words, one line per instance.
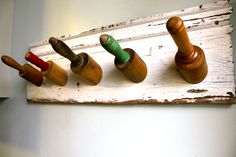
column 208, row 27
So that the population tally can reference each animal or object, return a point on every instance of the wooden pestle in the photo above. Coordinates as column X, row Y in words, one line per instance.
column 190, row 59
column 49, row 69
column 26, row 71
column 126, row 60
column 82, row 64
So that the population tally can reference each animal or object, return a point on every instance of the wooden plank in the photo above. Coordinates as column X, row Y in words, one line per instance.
column 208, row 27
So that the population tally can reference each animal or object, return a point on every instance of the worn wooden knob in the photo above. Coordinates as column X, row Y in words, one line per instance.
column 26, row 71
column 190, row 59
column 126, row 60
column 49, row 69
column 82, row 64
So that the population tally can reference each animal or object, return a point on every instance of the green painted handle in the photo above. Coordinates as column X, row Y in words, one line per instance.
column 112, row 46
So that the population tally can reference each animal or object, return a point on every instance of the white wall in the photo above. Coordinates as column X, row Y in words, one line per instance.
column 6, row 21
column 34, row 130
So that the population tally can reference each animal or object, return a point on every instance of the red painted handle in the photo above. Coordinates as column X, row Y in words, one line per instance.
column 32, row 58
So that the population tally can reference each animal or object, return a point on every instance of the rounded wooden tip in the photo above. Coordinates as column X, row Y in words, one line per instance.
column 7, row 60
column 104, row 38
column 4, row 58
column 175, row 25
column 53, row 41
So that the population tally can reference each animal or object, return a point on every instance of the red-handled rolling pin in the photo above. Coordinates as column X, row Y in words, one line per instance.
column 26, row 71
column 49, row 69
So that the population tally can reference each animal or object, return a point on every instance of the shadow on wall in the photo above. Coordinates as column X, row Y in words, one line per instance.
column 20, row 122
column 2, row 100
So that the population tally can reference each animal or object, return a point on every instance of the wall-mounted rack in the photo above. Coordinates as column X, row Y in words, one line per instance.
column 208, row 26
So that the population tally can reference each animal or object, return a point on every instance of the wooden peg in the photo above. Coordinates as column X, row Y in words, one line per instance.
column 49, row 69
column 82, row 64
column 26, row 71
column 12, row 63
column 190, row 59
column 126, row 60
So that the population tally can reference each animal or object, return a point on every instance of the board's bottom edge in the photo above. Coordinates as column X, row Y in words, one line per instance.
column 228, row 100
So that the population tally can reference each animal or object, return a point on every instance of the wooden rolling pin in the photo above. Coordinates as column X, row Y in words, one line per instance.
column 126, row 60
column 82, row 64
column 26, row 71
column 49, row 69
column 190, row 59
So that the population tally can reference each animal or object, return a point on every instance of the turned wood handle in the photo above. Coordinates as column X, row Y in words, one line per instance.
column 61, row 48
column 12, row 63
column 176, row 28
column 32, row 58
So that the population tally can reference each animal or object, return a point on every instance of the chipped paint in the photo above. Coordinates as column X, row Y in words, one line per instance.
column 197, row 90
column 208, row 26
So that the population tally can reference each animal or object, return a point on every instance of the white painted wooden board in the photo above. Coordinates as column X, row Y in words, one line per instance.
column 208, row 26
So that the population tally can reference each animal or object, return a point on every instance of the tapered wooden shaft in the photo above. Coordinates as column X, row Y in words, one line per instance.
column 112, row 46
column 32, row 58
column 190, row 59
column 61, row 48
column 26, row 71
column 12, row 63
column 178, row 32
